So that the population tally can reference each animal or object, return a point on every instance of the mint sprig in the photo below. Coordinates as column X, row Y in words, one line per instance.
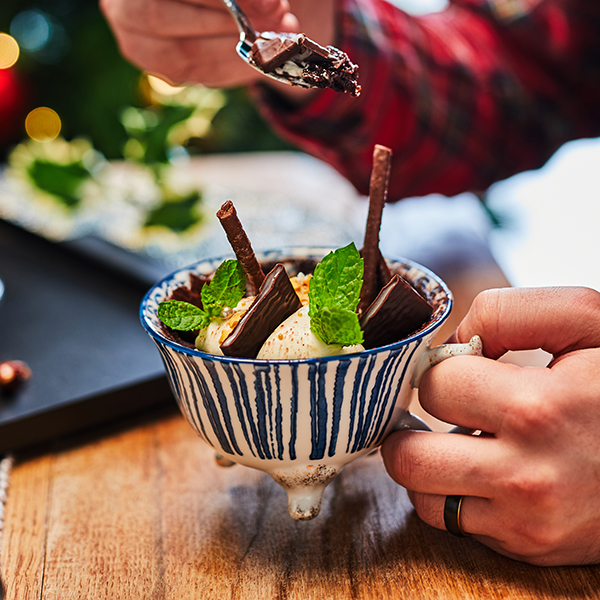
column 226, row 288
column 182, row 316
column 334, row 294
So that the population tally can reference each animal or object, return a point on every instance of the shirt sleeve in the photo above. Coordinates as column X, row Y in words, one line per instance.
column 464, row 97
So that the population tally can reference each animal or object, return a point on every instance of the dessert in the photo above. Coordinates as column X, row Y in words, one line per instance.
column 294, row 338
column 303, row 61
column 348, row 302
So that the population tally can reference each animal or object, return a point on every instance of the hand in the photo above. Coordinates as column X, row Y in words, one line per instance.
column 193, row 41
column 531, row 481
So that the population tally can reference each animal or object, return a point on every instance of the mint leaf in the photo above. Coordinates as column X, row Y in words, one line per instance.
column 226, row 288
column 334, row 294
column 337, row 280
column 337, row 325
column 182, row 316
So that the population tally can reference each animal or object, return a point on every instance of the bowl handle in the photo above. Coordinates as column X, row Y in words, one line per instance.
column 430, row 358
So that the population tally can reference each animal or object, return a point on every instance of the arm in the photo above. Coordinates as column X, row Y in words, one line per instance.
column 530, row 482
column 464, row 97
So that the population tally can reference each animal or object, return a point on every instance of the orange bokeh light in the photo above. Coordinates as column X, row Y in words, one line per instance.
column 9, row 51
column 42, row 124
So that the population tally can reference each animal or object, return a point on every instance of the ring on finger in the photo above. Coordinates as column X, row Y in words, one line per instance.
column 452, row 514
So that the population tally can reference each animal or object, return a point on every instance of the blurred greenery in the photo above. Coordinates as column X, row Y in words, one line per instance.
column 80, row 74
column 62, row 181
column 178, row 215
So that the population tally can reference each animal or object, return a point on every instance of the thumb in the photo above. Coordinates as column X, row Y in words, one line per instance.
column 556, row 319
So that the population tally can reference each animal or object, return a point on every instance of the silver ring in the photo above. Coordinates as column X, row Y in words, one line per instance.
column 452, row 508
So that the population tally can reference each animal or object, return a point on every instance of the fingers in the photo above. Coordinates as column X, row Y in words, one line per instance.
column 176, row 61
column 556, row 319
column 478, row 393
column 191, row 42
column 474, row 514
column 178, row 19
column 442, row 463
column 168, row 18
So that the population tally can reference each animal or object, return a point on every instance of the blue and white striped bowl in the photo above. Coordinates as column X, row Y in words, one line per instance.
column 300, row 421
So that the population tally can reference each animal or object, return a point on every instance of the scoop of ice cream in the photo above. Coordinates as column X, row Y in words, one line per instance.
column 294, row 339
column 210, row 339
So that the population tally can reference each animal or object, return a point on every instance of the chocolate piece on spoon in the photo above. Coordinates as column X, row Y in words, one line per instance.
column 275, row 302
column 397, row 311
column 271, row 53
column 376, row 270
column 302, row 61
column 241, row 245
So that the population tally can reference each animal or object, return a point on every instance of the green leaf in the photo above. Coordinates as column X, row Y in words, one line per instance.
column 182, row 316
column 334, row 294
column 62, row 181
column 226, row 288
column 178, row 215
column 156, row 136
column 337, row 325
column 337, row 279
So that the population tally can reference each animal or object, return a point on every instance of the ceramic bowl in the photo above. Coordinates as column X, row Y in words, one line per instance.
column 300, row 421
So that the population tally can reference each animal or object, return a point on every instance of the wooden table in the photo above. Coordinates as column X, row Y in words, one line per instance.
column 145, row 513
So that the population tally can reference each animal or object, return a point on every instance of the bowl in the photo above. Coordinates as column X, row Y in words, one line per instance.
column 299, row 420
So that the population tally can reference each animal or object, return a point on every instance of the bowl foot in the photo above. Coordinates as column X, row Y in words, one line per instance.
column 223, row 461
column 304, row 487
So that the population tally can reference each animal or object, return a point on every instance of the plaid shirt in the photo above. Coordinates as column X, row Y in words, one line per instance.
column 464, row 97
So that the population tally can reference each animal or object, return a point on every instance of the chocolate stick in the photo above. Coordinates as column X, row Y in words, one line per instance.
column 241, row 245
column 373, row 260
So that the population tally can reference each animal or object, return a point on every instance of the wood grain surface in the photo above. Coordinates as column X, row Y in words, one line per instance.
column 146, row 513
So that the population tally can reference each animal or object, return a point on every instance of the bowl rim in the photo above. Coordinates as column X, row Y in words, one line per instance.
column 287, row 252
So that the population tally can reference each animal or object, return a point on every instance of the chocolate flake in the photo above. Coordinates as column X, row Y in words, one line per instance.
column 241, row 245
column 375, row 266
column 275, row 302
column 398, row 311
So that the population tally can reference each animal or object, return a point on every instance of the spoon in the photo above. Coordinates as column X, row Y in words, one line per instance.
column 247, row 37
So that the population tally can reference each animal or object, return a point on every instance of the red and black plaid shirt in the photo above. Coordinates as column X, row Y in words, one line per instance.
column 464, row 97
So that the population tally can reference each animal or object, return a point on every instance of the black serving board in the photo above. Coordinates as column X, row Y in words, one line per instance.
column 71, row 313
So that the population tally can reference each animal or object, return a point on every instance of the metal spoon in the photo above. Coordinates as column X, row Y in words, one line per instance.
column 247, row 36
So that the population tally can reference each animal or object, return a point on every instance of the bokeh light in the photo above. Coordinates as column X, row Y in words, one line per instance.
column 9, row 51
column 42, row 124
column 32, row 29
column 40, row 34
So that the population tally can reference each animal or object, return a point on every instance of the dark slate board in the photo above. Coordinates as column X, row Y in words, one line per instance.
column 75, row 322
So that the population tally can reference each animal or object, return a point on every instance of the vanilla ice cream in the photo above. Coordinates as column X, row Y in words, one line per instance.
column 294, row 339
column 210, row 339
